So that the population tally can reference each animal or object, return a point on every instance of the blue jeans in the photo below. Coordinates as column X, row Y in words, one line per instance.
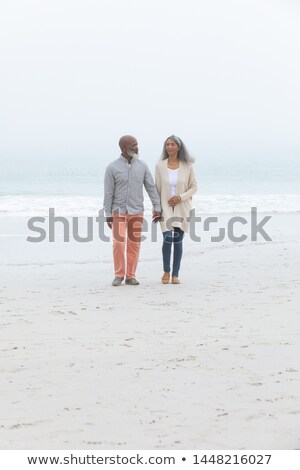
column 174, row 237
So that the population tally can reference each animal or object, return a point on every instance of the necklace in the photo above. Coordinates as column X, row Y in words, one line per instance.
column 173, row 165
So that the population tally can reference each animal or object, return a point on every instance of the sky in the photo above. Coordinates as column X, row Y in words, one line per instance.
column 78, row 74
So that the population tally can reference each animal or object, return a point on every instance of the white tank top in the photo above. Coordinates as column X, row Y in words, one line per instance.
column 173, row 177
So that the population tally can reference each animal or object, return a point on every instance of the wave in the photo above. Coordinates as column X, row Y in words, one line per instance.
column 18, row 206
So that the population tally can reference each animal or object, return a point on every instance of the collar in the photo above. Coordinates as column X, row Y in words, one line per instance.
column 123, row 159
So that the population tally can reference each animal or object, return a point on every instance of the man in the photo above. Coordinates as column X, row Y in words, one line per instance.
column 124, row 209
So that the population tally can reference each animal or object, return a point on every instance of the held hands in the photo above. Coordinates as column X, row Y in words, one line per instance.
column 174, row 201
column 156, row 216
column 109, row 221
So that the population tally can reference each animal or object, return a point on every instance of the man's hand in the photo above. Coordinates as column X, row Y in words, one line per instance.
column 174, row 201
column 156, row 216
column 109, row 221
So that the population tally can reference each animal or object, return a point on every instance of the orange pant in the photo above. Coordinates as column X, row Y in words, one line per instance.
column 126, row 231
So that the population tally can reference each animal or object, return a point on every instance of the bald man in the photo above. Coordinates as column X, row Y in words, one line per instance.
column 124, row 207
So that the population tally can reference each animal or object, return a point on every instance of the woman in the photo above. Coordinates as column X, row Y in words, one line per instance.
column 176, row 183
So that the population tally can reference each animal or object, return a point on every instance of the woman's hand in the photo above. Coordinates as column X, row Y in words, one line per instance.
column 156, row 216
column 174, row 200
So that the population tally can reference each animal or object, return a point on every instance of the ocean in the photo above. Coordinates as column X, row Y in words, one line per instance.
column 75, row 187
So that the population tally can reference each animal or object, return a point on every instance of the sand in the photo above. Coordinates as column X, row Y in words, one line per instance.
column 212, row 363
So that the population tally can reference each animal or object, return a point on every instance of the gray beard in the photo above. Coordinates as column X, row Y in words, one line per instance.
column 132, row 154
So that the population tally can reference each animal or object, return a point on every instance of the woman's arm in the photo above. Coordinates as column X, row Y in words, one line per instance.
column 192, row 186
column 158, row 179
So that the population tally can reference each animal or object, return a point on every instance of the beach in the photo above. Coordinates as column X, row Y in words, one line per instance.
column 212, row 363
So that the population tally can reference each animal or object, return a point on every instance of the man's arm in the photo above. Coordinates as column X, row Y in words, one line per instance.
column 151, row 190
column 109, row 189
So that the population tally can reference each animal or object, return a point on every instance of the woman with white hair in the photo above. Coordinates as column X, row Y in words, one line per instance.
column 176, row 183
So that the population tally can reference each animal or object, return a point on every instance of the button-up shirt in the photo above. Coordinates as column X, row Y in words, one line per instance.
column 123, row 187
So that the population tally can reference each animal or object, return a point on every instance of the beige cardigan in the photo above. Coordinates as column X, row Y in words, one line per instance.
column 186, row 187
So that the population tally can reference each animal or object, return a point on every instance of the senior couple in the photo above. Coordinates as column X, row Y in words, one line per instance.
column 171, row 197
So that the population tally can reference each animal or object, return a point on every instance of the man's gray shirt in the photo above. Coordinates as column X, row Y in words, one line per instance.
column 123, row 187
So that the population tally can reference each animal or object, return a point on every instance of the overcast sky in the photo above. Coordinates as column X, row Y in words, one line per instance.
column 222, row 74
